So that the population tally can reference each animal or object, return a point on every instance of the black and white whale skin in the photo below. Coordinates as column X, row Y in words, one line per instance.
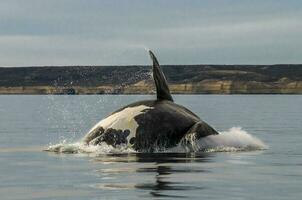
column 152, row 124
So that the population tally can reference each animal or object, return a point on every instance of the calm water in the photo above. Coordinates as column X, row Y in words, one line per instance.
column 29, row 124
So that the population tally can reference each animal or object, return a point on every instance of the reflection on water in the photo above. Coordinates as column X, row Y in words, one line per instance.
column 158, row 158
column 163, row 167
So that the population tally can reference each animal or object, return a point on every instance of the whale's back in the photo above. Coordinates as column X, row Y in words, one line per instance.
column 163, row 126
column 143, row 125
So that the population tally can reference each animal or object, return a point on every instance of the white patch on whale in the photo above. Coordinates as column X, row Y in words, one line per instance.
column 122, row 120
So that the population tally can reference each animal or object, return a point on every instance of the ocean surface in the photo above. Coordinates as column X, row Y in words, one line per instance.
column 31, row 124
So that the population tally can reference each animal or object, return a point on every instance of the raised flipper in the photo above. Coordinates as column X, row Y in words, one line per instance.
column 95, row 133
column 162, row 89
column 198, row 130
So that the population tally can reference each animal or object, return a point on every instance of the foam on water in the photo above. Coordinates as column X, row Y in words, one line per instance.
column 235, row 139
column 80, row 147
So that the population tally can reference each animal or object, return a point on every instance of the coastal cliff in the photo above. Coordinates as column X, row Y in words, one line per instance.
column 184, row 79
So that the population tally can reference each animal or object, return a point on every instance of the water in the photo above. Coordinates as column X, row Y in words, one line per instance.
column 29, row 124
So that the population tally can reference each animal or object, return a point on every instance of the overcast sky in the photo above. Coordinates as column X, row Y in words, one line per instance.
column 117, row 32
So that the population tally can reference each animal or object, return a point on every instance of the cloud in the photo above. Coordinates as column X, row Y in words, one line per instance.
column 95, row 32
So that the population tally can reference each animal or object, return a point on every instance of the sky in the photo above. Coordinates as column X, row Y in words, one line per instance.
column 118, row 32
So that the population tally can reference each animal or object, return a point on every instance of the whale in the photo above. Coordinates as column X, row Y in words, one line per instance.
column 150, row 125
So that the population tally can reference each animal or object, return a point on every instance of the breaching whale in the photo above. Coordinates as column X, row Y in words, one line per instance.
column 150, row 125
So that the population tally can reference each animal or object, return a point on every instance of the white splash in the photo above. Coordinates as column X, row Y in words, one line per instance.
column 235, row 139
column 81, row 148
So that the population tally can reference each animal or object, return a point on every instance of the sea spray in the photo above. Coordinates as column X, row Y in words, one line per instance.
column 82, row 148
column 235, row 139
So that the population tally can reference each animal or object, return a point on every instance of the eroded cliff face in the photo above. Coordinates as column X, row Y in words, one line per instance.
column 143, row 87
column 224, row 87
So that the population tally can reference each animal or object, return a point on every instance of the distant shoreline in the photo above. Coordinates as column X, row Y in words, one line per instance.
column 216, row 87
column 183, row 79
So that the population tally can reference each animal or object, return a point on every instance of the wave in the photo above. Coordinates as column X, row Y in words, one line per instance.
column 235, row 139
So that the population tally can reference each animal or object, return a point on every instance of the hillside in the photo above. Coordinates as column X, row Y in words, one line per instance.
column 187, row 79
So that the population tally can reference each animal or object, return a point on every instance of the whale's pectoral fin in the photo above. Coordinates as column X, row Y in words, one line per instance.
column 162, row 89
column 110, row 136
column 198, row 130
column 92, row 135
column 201, row 129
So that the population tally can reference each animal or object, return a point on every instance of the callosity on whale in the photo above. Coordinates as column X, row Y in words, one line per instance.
column 151, row 124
